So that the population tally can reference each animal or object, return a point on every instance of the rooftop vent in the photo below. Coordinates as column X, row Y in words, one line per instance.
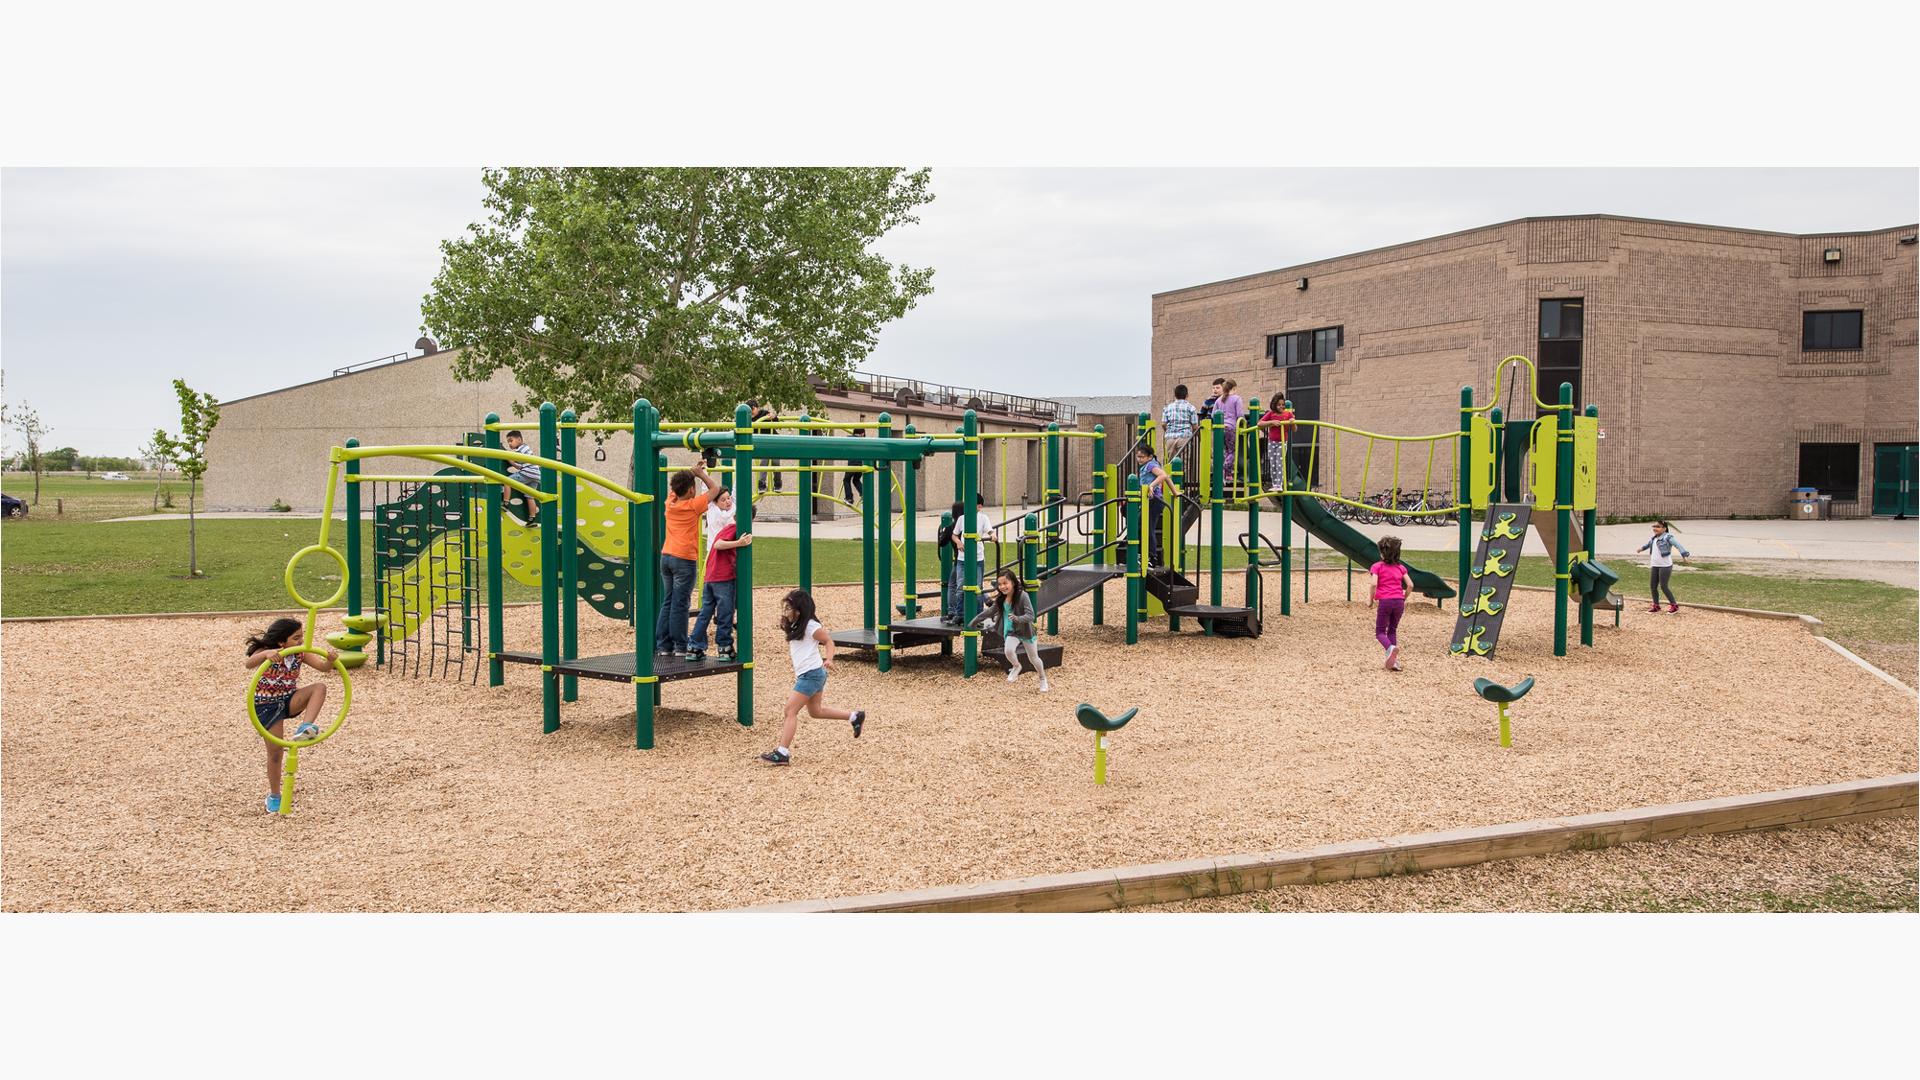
column 427, row 346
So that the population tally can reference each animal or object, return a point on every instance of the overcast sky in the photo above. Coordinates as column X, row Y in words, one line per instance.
column 115, row 281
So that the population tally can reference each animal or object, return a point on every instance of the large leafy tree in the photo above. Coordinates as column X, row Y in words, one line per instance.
column 694, row 288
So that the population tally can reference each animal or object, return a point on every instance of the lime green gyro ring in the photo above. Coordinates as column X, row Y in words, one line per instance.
column 294, row 591
column 253, row 713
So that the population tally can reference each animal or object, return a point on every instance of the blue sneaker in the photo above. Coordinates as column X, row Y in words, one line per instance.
column 306, row 731
column 775, row 757
column 273, row 804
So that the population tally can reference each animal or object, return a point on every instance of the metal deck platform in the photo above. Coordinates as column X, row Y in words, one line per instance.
column 618, row 667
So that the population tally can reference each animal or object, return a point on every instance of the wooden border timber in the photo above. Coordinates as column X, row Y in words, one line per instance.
column 1159, row 883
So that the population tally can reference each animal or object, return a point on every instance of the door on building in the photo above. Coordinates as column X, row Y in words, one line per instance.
column 1896, row 473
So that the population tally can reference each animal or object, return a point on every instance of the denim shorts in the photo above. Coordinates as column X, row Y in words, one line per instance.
column 810, row 682
column 272, row 710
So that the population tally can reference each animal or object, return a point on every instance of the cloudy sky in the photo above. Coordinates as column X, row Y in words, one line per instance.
column 115, row 281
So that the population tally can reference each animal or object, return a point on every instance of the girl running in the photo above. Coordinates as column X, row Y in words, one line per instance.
column 1390, row 582
column 806, row 639
column 1010, row 608
column 280, row 695
column 1660, row 547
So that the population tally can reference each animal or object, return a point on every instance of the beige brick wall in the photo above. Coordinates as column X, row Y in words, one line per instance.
column 1691, row 352
column 275, row 445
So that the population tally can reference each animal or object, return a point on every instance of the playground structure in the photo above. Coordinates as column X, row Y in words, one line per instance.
column 1548, row 465
column 442, row 552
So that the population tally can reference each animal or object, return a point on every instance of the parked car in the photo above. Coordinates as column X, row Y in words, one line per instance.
column 12, row 507
column 113, row 476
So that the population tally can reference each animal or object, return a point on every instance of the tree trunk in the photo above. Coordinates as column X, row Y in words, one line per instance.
column 193, row 551
column 36, row 480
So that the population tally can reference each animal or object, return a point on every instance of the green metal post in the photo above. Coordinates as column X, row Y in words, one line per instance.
column 1172, row 537
column 1136, row 588
column 910, row 529
column 1217, row 507
column 551, row 573
column 805, row 487
column 353, row 533
column 882, row 489
column 1463, row 491
column 1051, row 500
column 946, row 561
column 743, row 455
column 1563, row 516
column 970, row 504
column 496, row 611
column 1587, row 524
column 643, row 572
column 1286, row 555
column 1497, row 417
column 1099, row 519
column 1030, row 553
column 657, row 483
column 569, row 521
column 867, row 576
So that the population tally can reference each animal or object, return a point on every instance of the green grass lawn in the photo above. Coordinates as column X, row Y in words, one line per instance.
column 81, row 567
column 67, row 497
column 91, row 568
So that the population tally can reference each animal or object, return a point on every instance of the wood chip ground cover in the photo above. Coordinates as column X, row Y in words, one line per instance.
column 441, row 796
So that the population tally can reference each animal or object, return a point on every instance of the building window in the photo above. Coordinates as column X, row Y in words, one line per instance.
column 1832, row 468
column 1305, row 346
column 1562, row 320
column 1821, row 331
column 1303, row 389
column 1563, row 327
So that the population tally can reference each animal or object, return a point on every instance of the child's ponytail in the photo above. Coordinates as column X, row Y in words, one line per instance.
column 274, row 636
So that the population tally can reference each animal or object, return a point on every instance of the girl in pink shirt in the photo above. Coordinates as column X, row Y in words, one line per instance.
column 1390, row 582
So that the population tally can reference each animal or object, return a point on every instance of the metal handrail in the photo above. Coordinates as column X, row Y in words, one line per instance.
column 396, row 357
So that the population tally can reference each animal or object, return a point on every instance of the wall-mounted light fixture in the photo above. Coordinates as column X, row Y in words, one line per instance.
column 1832, row 255
column 1910, row 240
column 1301, row 284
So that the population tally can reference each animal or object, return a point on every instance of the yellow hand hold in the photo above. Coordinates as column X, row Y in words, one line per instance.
column 1492, row 567
column 1470, row 645
column 1502, row 529
column 1484, row 605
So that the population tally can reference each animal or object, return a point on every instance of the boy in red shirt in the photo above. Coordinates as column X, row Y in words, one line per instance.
column 717, row 597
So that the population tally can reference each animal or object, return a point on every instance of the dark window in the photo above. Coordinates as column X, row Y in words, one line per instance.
column 1562, row 320
column 1305, row 346
column 1833, row 468
column 1562, row 343
column 1824, row 330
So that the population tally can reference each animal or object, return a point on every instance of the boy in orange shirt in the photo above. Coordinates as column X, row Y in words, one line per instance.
column 677, row 554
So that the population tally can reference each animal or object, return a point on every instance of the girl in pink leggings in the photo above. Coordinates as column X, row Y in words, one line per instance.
column 1390, row 582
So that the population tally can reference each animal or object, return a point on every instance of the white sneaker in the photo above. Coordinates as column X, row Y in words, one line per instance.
column 1392, row 652
column 1044, row 685
column 1013, row 674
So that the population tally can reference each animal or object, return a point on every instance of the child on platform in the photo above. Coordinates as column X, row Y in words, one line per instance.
column 717, row 597
column 1391, row 579
column 1009, row 610
column 1660, row 548
column 811, row 649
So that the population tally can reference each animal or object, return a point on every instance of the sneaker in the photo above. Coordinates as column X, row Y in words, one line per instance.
column 273, row 804
column 775, row 757
column 728, row 656
column 1396, row 665
column 663, row 652
column 1673, row 609
column 306, row 731
column 695, row 655
column 1392, row 651
column 1044, row 685
column 1654, row 610
column 1013, row 673
column 858, row 721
